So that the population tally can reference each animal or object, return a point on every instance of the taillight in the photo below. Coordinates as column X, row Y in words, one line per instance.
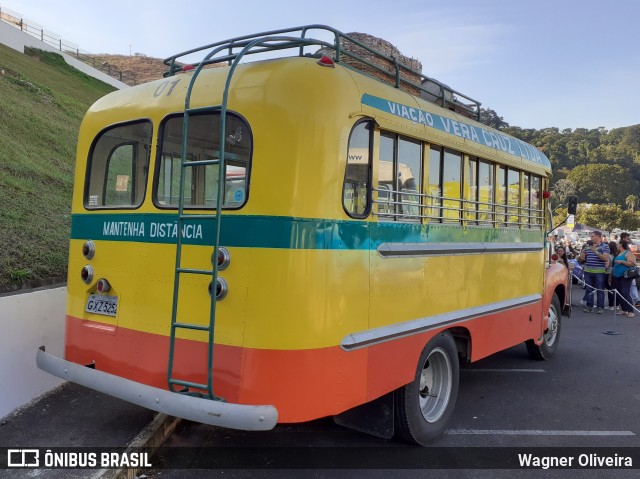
column 88, row 249
column 103, row 285
column 221, row 289
column 554, row 257
column 86, row 273
column 224, row 258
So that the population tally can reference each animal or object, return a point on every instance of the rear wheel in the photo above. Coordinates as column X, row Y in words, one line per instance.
column 424, row 406
column 551, row 335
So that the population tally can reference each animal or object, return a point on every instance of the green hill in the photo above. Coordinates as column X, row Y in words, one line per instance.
column 42, row 102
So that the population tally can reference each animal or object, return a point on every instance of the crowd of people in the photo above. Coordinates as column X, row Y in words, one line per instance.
column 604, row 264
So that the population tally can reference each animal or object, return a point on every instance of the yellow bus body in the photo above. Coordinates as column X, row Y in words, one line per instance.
column 304, row 277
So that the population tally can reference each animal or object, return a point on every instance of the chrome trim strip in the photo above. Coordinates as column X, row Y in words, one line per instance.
column 206, row 411
column 370, row 337
column 398, row 250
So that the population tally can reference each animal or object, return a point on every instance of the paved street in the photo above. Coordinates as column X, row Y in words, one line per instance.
column 587, row 396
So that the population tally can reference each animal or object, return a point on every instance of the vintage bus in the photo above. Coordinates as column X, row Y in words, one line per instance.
column 290, row 238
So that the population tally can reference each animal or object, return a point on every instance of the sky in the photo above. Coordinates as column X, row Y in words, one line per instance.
column 537, row 63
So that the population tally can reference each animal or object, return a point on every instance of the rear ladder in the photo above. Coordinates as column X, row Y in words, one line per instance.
column 177, row 384
column 268, row 42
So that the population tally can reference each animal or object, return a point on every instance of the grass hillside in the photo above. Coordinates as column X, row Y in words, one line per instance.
column 42, row 102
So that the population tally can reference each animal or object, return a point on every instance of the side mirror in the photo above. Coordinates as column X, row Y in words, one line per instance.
column 572, row 205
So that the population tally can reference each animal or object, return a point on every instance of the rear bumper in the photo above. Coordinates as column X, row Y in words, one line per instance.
column 206, row 411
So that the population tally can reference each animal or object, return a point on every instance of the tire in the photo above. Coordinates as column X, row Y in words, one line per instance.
column 423, row 407
column 551, row 335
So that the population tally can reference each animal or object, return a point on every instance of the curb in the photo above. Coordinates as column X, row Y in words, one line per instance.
column 151, row 437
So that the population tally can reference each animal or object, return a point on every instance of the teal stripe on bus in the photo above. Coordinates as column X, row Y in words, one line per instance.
column 283, row 232
column 462, row 129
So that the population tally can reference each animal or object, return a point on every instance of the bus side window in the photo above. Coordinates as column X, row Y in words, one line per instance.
column 451, row 186
column 537, row 213
column 409, row 172
column 356, row 192
column 385, row 201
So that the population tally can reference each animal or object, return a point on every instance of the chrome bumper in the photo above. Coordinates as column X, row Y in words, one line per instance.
column 206, row 411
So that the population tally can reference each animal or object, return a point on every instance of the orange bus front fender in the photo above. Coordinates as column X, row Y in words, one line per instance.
column 556, row 281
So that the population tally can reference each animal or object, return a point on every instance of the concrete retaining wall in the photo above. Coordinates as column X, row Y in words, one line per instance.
column 29, row 321
column 17, row 39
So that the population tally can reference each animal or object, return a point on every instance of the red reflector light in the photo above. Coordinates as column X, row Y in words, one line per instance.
column 88, row 249
column 224, row 258
column 221, row 289
column 103, row 285
column 546, row 194
column 325, row 61
column 554, row 257
column 186, row 68
column 86, row 274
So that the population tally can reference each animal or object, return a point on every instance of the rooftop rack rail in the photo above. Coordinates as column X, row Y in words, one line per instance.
column 428, row 88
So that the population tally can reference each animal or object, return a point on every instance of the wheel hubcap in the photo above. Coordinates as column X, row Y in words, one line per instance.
column 435, row 385
column 552, row 328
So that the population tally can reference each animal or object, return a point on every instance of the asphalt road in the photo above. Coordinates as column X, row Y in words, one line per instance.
column 587, row 396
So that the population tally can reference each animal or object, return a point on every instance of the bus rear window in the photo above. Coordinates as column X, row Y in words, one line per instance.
column 203, row 144
column 118, row 167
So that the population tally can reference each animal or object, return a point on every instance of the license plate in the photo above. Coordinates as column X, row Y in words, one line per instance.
column 100, row 304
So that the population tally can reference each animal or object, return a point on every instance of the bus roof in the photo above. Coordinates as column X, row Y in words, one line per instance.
column 341, row 47
column 461, row 114
column 439, row 121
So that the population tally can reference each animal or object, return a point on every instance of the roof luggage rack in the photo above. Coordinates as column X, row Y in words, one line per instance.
column 344, row 49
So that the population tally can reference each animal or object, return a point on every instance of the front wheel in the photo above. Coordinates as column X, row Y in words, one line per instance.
column 423, row 407
column 551, row 335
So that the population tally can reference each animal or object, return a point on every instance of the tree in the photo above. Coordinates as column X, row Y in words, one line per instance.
column 605, row 217
column 561, row 190
column 631, row 201
column 490, row 118
column 629, row 221
column 560, row 215
column 602, row 183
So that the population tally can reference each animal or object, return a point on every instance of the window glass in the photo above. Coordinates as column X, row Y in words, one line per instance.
column 121, row 176
column 118, row 167
column 526, row 198
column 476, row 191
column 409, row 174
column 203, row 144
column 451, row 185
column 485, row 194
column 386, row 189
column 399, row 178
column 471, row 189
column 501, row 195
column 434, row 198
column 513, row 179
column 355, row 192
column 536, row 199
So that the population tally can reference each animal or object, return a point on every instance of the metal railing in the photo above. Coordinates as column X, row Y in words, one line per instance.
column 411, row 206
column 54, row 40
column 297, row 38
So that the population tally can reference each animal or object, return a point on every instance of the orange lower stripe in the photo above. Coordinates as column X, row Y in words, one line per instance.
column 302, row 384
